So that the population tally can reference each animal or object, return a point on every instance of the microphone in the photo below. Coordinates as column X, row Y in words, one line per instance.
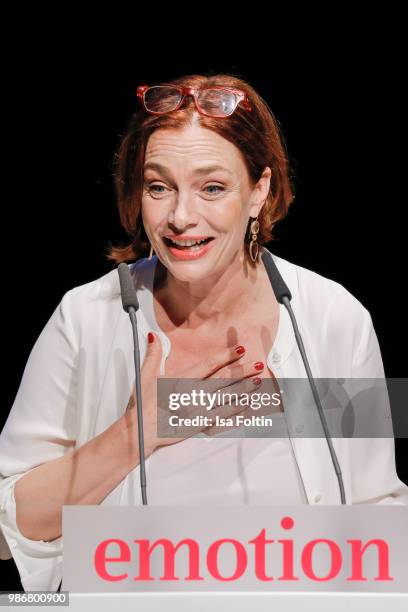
column 284, row 296
column 131, row 305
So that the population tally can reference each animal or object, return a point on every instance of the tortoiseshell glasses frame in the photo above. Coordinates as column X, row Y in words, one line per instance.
column 170, row 97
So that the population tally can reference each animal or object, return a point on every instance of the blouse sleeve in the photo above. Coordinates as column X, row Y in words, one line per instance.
column 374, row 475
column 41, row 427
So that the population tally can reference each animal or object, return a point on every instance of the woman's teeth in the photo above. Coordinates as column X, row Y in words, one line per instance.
column 192, row 245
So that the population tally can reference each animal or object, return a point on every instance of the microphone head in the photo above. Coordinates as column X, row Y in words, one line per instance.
column 127, row 288
column 279, row 286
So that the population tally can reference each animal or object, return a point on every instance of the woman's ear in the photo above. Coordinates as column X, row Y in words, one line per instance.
column 260, row 192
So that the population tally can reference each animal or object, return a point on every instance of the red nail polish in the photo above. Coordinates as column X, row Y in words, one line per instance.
column 256, row 380
column 150, row 337
column 258, row 365
column 240, row 350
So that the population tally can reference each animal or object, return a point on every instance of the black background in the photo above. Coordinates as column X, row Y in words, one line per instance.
column 68, row 102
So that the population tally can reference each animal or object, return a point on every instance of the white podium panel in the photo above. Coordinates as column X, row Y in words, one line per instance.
column 235, row 602
column 235, row 549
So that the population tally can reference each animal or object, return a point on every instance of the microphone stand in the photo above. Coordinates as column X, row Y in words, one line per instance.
column 283, row 296
column 131, row 305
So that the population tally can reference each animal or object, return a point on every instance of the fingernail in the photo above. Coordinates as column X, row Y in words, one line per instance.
column 150, row 337
column 256, row 380
column 258, row 365
column 240, row 350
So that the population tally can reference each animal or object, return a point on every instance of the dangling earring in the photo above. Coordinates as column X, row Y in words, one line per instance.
column 151, row 252
column 253, row 245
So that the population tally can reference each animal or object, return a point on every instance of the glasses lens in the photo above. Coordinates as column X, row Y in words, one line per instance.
column 217, row 102
column 162, row 98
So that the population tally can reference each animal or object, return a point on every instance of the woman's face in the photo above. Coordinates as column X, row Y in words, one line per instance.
column 196, row 185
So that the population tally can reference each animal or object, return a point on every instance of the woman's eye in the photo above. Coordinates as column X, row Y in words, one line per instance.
column 153, row 188
column 216, row 187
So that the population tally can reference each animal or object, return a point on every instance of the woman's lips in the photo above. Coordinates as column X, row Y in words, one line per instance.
column 189, row 253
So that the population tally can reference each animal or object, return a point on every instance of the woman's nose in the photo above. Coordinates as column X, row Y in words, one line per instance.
column 184, row 209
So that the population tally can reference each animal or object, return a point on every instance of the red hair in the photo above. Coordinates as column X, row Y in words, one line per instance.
column 256, row 134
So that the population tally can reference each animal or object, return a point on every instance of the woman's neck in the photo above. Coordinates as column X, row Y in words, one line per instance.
column 213, row 302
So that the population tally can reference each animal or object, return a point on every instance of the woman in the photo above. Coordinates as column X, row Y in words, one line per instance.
column 208, row 167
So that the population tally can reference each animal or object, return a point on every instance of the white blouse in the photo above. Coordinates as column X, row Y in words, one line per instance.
column 79, row 376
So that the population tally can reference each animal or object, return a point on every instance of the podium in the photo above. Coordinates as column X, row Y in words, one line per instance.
column 198, row 557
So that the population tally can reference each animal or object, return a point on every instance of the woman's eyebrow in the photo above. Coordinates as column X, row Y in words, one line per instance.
column 209, row 169
column 203, row 170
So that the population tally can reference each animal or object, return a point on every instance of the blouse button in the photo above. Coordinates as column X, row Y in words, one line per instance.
column 317, row 497
column 276, row 357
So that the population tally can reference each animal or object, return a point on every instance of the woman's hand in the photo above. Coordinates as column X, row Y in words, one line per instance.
column 224, row 364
